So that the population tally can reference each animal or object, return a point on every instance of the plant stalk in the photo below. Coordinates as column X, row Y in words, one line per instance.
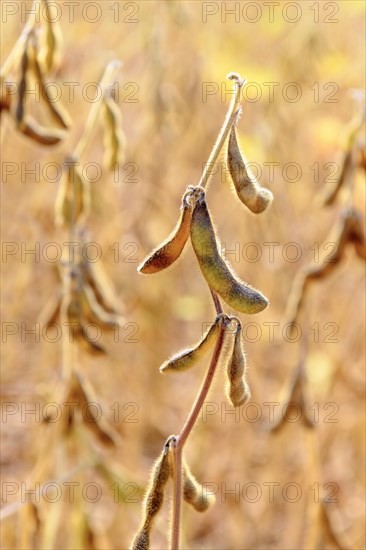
column 183, row 436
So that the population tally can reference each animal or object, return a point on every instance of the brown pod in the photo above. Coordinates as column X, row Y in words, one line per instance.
column 170, row 250
column 248, row 189
column 30, row 128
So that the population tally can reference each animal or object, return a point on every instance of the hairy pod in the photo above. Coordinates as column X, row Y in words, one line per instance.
column 193, row 492
column 238, row 391
column 153, row 500
column 248, row 189
column 170, row 250
column 236, row 294
column 114, row 139
column 187, row 358
column 141, row 540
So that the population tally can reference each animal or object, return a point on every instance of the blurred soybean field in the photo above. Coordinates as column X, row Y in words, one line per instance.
column 277, row 487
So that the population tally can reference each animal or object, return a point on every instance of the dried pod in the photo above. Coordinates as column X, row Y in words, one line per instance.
column 59, row 115
column 51, row 40
column 73, row 198
column 82, row 393
column 193, row 492
column 187, row 358
column 22, row 86
column 236, row 294
column 71, row 310
column 170, row 250
column 5, row 95
column 296, row 399
column 30, row 128
column 153, row 500
column 95, row 276
column 95, row 312
column 248, row 189
column 238, row 391
column 331, row 191
column 51, row 311
column 114, row 139
column 347, row 230
column 357, row 234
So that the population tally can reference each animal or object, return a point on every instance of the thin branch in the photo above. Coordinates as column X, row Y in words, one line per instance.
column 177, row 494
column 216, row 302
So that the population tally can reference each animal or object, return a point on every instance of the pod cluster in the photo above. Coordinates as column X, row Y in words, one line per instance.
column 195, row 221
column 39, row 55
column 87, row 298
column 163, row 469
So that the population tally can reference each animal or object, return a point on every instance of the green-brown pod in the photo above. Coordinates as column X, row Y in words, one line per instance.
column 236, row 294
column 170, row 250
column 249, row 191
column 153, row 500
column 187, row 358
column 193, row 492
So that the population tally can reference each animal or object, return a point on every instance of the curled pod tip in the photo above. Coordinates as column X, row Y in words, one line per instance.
column 237, row 294
column 170, row 250
column 248, row 189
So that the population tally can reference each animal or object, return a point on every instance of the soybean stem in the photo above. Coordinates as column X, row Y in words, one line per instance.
column 229, row 121
column 216, row 301
column 177, row 495
column 182, row 438
column 105, row 82
column 197, row 406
